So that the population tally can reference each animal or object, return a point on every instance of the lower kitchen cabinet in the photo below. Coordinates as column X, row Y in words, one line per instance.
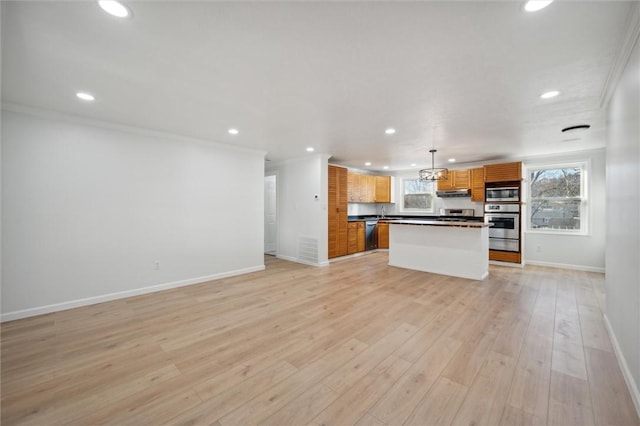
column 360, row 236
column 383, row 235
column 504, row 256
column 355, row 237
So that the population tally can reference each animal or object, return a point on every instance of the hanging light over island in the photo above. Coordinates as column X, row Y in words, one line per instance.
column 433, row 173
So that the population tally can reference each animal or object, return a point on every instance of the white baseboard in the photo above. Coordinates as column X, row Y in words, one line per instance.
column 566, row 266
column 10, row 316
column 626, row 373
column 296, row 260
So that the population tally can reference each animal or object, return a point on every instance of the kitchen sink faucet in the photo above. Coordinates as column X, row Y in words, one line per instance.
column 382, row 212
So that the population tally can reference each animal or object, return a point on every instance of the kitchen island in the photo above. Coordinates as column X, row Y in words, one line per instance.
column 459, row 249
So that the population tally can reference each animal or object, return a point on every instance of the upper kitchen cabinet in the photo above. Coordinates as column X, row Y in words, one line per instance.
column 477, row 184
column 368, row 188
column 456, row 179
column 383, row 189
column 505, row 172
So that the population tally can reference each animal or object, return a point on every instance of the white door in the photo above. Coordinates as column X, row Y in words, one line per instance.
column 270, row 222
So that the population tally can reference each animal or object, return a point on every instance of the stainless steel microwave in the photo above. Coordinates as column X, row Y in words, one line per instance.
column 511, row 193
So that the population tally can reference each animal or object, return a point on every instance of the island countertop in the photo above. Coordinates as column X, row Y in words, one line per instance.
column 465, row 224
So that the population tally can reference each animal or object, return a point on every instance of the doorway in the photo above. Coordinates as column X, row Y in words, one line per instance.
column 270, row 215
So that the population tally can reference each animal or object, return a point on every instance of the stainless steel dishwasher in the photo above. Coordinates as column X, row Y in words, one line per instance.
column 371, row 235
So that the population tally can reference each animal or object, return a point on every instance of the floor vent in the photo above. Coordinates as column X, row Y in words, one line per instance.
column 308, row 249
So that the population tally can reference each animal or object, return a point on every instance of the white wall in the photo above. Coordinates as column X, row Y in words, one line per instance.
column 572, row 251
column 623, row 221
column 87, row 210
column 302, row 218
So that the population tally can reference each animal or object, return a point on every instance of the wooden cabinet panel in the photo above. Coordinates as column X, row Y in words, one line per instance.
column 368, row 188
column 383, row 189
column 505, row 172
column 383, row 235
column 456, row 179
column 337, row 211
column 361, row 236
column 477, row 184
column 461, row 179
column 352, row 237
column 446, row 184
column 504, row 256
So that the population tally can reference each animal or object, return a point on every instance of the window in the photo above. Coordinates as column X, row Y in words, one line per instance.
column 557, row 198
column 417, row 196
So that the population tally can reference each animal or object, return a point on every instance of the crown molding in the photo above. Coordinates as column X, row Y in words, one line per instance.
column 76, row 119
column 628, row 42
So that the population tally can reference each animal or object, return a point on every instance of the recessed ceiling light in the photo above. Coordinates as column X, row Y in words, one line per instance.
column 536, row 5
column 386, row 167
column 390, row 131
column 233, row 131
column 367, row 163
column 452, row 160
column 114, row 8
column 85, row 96
column 310, row 149
column 413, row 164
column 550, row 94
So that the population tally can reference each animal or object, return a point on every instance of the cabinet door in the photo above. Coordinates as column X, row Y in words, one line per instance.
column 359, row 192
column 352, row 238
column 461, row 179
column 383, row 235
column 337, row 212
column 506, row 172
column 477, row 184
column 383, row 189
column 360, row 236
column 351, row 187
column 370, row 189
column 446, row 184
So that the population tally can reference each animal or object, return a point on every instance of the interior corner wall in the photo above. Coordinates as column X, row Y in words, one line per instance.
column 623, row 221
column 302, row 218
column 87, row 211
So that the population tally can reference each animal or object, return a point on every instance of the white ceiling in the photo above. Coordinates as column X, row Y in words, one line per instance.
column 463, row 76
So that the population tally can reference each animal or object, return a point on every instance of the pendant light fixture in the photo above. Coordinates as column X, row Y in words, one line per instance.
column 433, row 173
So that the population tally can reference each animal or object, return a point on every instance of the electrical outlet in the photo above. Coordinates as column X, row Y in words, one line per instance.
column 156, row 265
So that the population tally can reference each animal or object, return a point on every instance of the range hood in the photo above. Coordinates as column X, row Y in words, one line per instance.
column 454, row 193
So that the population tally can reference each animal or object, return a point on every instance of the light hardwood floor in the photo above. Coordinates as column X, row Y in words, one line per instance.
column 357, row 342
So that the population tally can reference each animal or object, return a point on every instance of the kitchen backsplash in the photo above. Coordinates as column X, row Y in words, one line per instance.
column 365, row 209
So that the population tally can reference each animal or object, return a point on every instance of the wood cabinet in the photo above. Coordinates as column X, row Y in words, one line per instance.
column 355, row 237
column 383, row 235
column 456, row 179
column 383, row 189
column 477, row 184
column 360, row 235
column 352, row 237
column 505, row 172
column 337, row 212
column 368, row 188
column 504, row 256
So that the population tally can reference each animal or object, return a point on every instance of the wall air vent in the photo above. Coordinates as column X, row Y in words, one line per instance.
column 308, row 250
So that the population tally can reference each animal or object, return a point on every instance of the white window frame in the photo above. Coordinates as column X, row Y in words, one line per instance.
column 404, row 209
column 585, row 168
